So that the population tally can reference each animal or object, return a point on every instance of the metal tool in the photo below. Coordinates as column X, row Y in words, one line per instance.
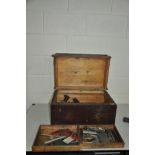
column 54, row 139
column 66, row 97
column 75, row 100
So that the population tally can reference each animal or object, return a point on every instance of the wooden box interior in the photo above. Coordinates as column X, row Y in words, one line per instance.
column 84, row 97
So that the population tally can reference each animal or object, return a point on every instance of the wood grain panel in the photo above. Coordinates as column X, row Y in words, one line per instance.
column 85, row 71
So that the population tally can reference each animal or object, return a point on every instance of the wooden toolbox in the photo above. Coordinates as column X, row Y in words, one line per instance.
column 80, row 105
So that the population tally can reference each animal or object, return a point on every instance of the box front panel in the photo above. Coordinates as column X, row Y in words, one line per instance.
column 83, row 114
column 94, row 107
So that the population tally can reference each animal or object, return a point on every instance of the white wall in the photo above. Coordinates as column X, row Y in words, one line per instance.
column 76, row 26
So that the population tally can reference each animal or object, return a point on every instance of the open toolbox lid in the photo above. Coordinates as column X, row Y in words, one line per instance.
column 81, row 71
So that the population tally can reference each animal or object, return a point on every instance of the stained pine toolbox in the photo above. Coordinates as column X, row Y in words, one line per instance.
column 83, row 79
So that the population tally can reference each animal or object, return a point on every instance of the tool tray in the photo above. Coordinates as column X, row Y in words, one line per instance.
column 110, row 138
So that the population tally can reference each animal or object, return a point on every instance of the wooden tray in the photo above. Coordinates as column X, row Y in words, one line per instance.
column 38, row 144
column 118, row 143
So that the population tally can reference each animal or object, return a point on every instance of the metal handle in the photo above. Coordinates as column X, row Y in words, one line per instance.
column 97, row 153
